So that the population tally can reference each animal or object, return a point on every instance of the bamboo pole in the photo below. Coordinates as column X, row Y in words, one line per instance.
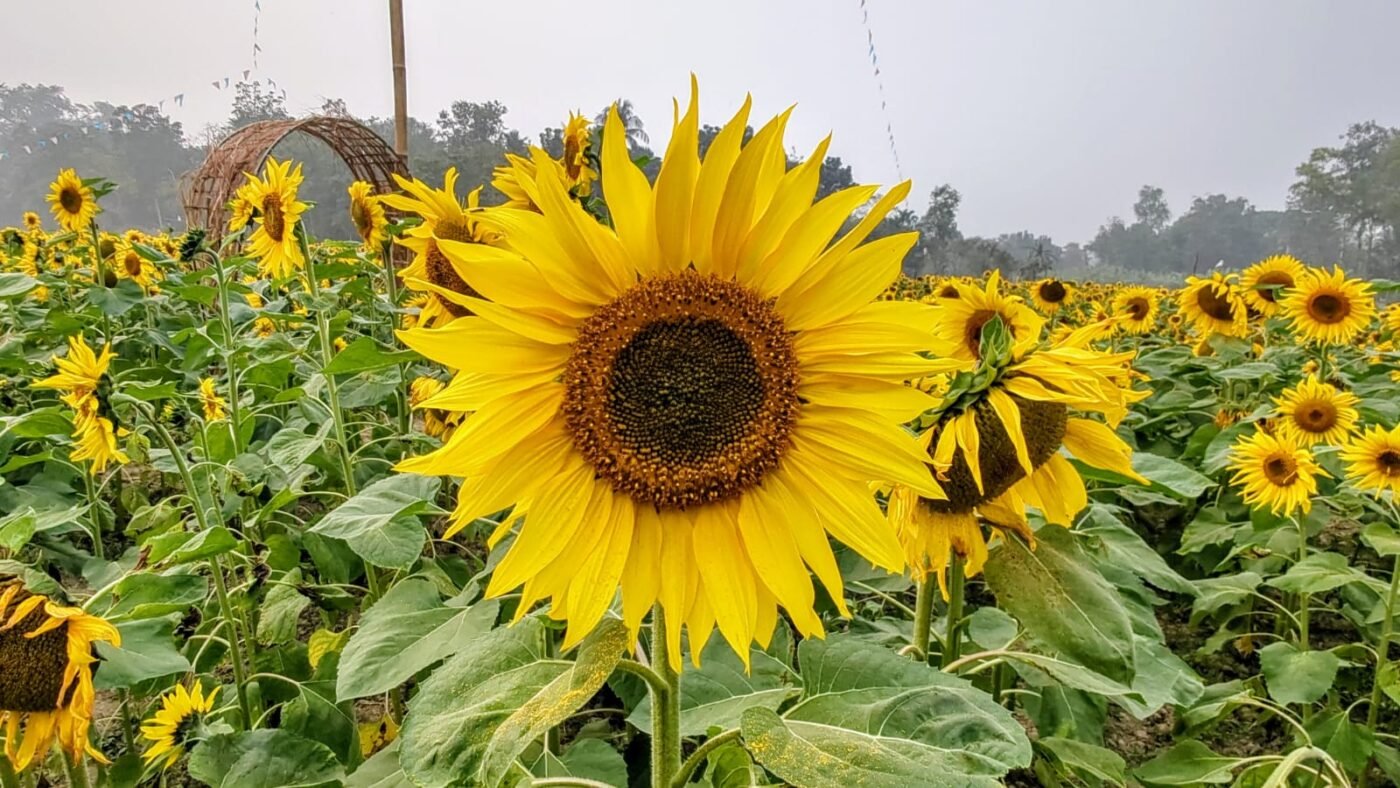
column 400, row 78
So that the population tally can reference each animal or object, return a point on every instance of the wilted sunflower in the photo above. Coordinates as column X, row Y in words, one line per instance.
column 1274, row 472
column 72, row 203
column 32, row 221
column 1329, row 308
column 1315, row 412
column 1267, row 282
column 1215, row 306
column 958, row 332
column 1137, row 308
column 46, row 663
column 687, row 403
column 176, row 723
column 274, row 196
column 367, row 214
column 128, row 263
column 1373, row 460
column 1051, row 295
column 213, row 404
column 444, row 219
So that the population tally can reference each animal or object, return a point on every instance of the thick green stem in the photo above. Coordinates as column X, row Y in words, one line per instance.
column 923, row 617
column 701, row 753
column 1304, row 599
column 8, row 777
column 77, row 772
column 1382, row 659
column 99, row 271
column 391, row 286
column 956, row 584
column 96, row 512
column 226, row 321
column 665, row 707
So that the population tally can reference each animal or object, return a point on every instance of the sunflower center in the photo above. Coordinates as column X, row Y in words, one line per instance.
column 1215, row 304
column 31, row 669
column 1043, row 428
column 1053, row 292
column 1389, row 462
column 573, row 156
column 1316, row 416
column 949, row 291
column 442, row 274
column 1272, row 280
column 132, row 263
column 1329, row 308
column 1281, row 470
column 1138, row 308
column 359, row 214
column 274, row 222
column 972, row 334
column 682, row 391
column 71, row 199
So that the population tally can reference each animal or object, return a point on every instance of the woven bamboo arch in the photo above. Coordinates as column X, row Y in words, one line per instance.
column 207, row 190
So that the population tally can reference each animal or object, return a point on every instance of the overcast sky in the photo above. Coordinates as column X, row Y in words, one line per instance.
column 1047, row 116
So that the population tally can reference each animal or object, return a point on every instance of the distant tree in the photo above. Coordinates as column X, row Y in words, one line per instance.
column 1356, row 188
column 836, row 175
column 251, row 104
column 1151, row 208
column 636, row 130
column 940, row 220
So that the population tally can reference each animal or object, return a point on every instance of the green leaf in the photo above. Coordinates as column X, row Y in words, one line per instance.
column 39, row 423
column 824, row 756
column 1209, row 528
column 205, row 544
column 594, row 759
column 281, row 610
column 291, row 447
column 1316, row 573
column 1188, row 763
column 716, row 693
column 150, row 392
column 148, row 596
column 147, row 652
column 731, row 767
column 478, row 712
column 1381, row 538
column 1171, row 475
column 18, row 528
column 1389, row 679
column 264, row 759
column 1162, row 678
column 1063, row 602
column 1217, row 592
column 315, row 715
column 407, row 630
column 991, row 627
column 1294, row 676
column 118, row 300
column 1067, row 673
column 380, row 522
column 1128, row 550
column 1351, row 744
column 364, row 354
column 380, row 771
column 16, row 284
column 1085, row 758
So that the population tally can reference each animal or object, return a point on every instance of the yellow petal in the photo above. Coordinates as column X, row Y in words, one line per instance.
column 710, row 184
column 1101, row 447
column 629, row 196
column 770, row 544
column 1010, row 416
column 727, row 575
column 965, row 426
column 675, row 188
column 554, row 518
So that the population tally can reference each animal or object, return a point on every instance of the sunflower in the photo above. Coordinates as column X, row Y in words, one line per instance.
column 274, row 243
column 212, row 403
column 32, row 222
column 1315, row 412
column 176, row 723
column 1215, row 306
column 80, row 377
column 80, row 373
column 95, row 438
column 46, row 664
column 367, row 214
column 578, row 155
column 1329, row 308
column 436, row 423
column 1137, row 307
column 444, row 219
column 1266, row 282
column 1373, row 460
column 128, row 263
column 688, row 402
column 1052, row 295
column 72, row 203
column 515, row 178
column 241, row 207
column 1274, row 471
column 958, row 332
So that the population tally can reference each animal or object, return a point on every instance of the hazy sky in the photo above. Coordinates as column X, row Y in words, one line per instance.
column 1046, row 115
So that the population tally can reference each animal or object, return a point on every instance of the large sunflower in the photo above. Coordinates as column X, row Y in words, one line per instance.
column 688, row 403
column 367, row 214
column 1329, row 308
column 1315, row 412
column 274, row 197
column 1267, row 282
column 1137, row 308
column 1052, row 295
column 72, row 203
column 1274, row 472
column 1373, row 460
column 175, row 725
column 1214, row 305
column 958, row 333
column 46, row 663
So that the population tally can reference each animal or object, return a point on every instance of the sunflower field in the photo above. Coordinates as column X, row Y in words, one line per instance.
column 635, row 481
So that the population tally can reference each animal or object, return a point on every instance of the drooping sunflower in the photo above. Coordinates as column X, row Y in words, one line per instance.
column 1315, row 412
column 958, row 333
column 1052, row 295
column 367, row 214
column 176, row 723
column 274, row 196
column 1373, row 460
column 1274, row 472
column 687, row 403
column 214, row 406
column 80, row 377
column 1329, row 308
column 1267, row 282
column 1214, row 305
column 46, row 664
column 444, row 219
column 95, row 439
column 1137, row 306
column 128, row 263
column 80, row 373
column 72, row 203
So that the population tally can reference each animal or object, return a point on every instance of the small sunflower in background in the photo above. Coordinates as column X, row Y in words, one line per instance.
column 1275, row 473
column 579, row 164
column 958, row 332
column 1329, row 308
column 274, row 196
column 1267, row 282
column 32, row 222
column 209, row 399
column 1137, row 307
column 1214, row 305
column 579, row 160
column 1314, row 412
column 1373, row 460
column 73, row 204
column 46, row 665
column 128, row 263
column 1052, row 295
column 367, row 214
column 178, row 722
column 80, row 376
column 437, row 423
column 241, row 207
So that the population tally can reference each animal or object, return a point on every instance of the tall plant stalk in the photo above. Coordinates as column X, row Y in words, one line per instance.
column 665, row 706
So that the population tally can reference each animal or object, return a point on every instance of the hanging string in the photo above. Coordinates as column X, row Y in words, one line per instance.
column 880, row 86
column 257, row 16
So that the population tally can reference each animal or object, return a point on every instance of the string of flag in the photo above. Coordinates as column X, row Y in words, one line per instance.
column 257, row 16
column 880, row 86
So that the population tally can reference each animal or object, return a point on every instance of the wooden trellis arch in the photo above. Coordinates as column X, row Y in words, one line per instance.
column 207, row 190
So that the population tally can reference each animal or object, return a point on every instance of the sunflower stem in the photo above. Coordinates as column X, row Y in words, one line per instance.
column 700, row 755
column 956, row 583
column 1382, row 659
column 8, row 777
column 96, row 511
column 391, row 280
column 226, row 322
column 100, row 273
column 665, row 705
column 77, row 772
column 1303, row 597
column 923, row 617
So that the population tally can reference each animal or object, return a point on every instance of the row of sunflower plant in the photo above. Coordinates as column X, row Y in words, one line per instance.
column 677, row 482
